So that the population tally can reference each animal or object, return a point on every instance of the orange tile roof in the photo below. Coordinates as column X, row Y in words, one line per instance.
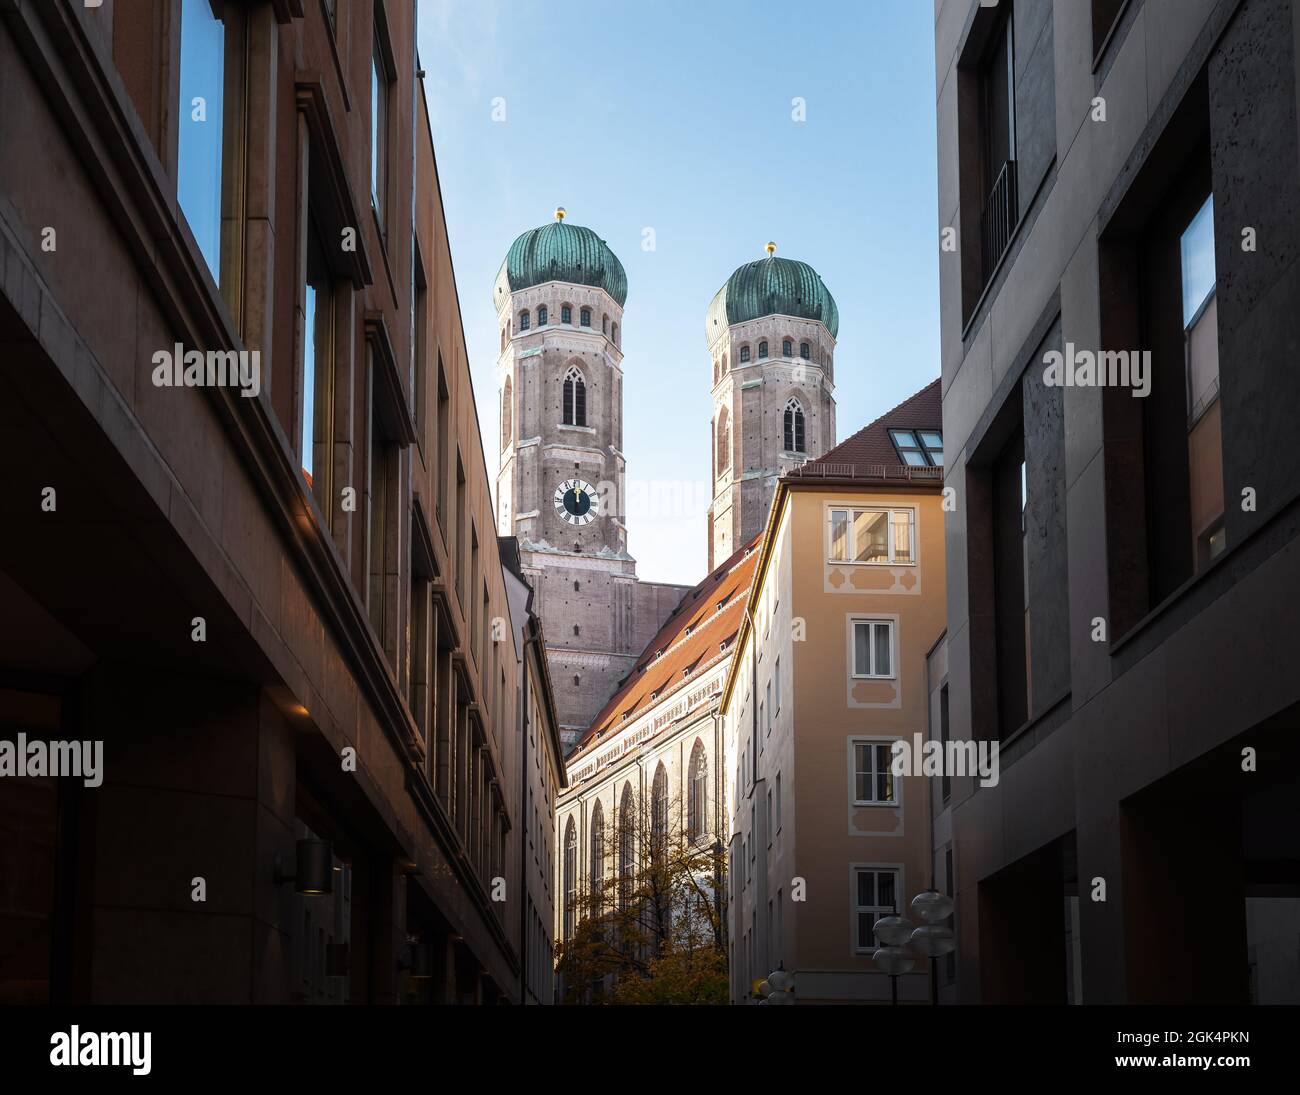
column 691, row 638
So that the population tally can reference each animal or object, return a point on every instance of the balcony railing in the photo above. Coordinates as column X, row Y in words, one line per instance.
column 818, row 470
column 999, row 219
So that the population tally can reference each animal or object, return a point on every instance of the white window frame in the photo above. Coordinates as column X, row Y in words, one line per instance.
column 875, row 744
column 877, row 911
column 889, row 621
column 889, row 511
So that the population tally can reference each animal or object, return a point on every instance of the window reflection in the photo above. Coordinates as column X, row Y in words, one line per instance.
column 202, row 72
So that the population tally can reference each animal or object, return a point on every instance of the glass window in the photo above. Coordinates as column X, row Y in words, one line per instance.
column 871, row 536
column 873, row 648
column 566, row 314
column 199, row 137
column 876, row 894
column 1197, row 247
column 804, row 351
column 918, row 453
column 762, row 348
column 873, row 779
column 541, row 315
column 524, row 320
column 744, row 353
column 585, row 317
column 378, row 129
column 787, row 348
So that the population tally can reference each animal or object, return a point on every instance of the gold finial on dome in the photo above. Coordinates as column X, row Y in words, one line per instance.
column 770, row 248
column 559, row 212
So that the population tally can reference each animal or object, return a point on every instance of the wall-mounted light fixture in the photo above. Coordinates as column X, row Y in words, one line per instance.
column 314, row 873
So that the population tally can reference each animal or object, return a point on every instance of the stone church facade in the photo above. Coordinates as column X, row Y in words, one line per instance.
column 560, row 488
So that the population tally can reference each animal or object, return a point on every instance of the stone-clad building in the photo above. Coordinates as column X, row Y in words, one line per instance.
column 771, row 333
column 1123, row 551
column 279, row 606
column 562, row 480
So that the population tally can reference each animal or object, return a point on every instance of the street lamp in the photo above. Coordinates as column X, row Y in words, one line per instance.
column 901, row 941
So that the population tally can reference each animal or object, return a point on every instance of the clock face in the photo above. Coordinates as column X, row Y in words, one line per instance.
column 576, row 502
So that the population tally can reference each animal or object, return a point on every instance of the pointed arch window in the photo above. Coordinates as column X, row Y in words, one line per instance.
column 570, row 877
column 724, row 440
column 596, row 877
column 542, row 315
column 575, row 398
column 626, row 843
column 794, row 426
column 507, row 415
column 659, row 810
column 523, row 320
column 697, row 807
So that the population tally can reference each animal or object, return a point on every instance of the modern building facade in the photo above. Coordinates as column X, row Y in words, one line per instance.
column 561, row 487
column 542, row 779
column 251, row 551
column 771, row 333
column 1119, row 330
column 829, row 672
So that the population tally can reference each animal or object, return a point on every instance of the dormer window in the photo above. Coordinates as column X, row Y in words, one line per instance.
column 919, row 448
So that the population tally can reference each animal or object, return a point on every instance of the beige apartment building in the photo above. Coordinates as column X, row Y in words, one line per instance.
column 829, row 670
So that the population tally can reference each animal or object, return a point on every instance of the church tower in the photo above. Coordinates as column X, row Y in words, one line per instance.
column 559, row 297
column 771, row 331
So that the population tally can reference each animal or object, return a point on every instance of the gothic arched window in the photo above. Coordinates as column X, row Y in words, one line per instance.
column 744, row 354
column 626, row 843
column 542, row 315
column 596, row 875
column 787, row 348
column 804, row 351
column 570, row 877
column 575, row 398
column 697, row 809
column 762, row 349
column 659, row 811
column 585, row 317
column 523, row 320
column 724, row 440
column 794, row 432
column 507, row 422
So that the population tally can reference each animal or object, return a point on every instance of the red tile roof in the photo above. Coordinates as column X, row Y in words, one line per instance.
column 870, row 454
column 691, row 638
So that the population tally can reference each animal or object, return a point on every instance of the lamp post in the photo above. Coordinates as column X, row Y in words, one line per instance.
column 901, row 941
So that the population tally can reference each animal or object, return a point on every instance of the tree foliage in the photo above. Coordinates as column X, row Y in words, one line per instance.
column 649, row 926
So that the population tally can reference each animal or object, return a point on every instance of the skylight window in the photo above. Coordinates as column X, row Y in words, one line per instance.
column 919, row 448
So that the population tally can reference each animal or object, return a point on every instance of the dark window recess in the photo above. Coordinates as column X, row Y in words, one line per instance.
column 1009, row 573
column 1105, row 13
column 998, row 133
column 944, row 732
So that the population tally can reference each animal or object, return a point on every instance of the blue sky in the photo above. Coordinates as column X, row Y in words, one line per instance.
column 677, row 117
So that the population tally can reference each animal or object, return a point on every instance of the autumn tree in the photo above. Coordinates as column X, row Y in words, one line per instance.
column 649, row 927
